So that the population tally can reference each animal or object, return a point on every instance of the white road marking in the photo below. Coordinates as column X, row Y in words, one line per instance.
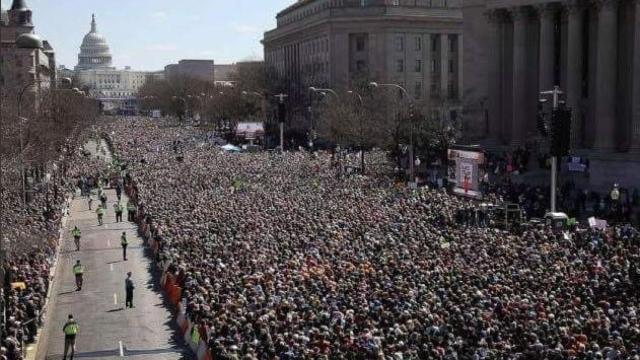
column 121, row 349
column 111, row 267
column 108, row 243
column 115, row 299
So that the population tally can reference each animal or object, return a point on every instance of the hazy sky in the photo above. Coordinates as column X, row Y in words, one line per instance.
column 149, row 34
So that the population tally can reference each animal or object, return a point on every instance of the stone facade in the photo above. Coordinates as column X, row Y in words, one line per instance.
column 116, row 89
column 516, row 48
column 94, row 51
column 29, row 69
column 332, row 43
column 197, row 69
column 224, row 72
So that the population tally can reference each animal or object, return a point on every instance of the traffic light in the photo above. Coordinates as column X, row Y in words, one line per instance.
column 412, row 111
column 561, row 132
column 543, row 128
column 282, row 112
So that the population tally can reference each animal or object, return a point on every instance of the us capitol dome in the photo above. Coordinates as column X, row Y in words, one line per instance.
column 94, row 51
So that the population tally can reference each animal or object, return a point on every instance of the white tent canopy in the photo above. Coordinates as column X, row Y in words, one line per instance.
column 230, row 148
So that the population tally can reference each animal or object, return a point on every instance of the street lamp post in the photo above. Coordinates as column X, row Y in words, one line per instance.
column 411, row 147
column 555, row 93
column 361, row 125
column 322, row 92
column 281, row 105
column 325, row 90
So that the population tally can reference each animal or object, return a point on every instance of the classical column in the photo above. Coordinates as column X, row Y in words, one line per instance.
column 606, row 74
column 444, row 66
column 635, row 95
column 575, row 12
column 496, row 22
column 520, row 15
column 546, row 14
column 460, row 69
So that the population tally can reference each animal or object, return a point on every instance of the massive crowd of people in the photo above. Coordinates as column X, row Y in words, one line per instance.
column 281, row 256
column 30, row 235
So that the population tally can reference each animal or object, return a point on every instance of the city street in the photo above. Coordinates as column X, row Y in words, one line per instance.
column 107, row 329
column 342, row 180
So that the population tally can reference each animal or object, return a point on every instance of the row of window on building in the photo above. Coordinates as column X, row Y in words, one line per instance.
column 435, row 92
column 400, row 66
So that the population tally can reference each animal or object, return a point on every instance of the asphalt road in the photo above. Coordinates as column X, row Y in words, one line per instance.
column 107, row 329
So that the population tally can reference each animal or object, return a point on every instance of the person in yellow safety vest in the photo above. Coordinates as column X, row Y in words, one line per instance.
column 119, row 209
column 76, row 237
column 100, row 211
column 131, row 211
column 78, row 270
column 124, row 243
column 71, row 330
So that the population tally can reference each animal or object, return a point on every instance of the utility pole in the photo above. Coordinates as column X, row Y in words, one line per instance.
column 556, row 92
column 281, row 117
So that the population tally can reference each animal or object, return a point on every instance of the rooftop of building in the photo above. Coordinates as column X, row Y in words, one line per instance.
column 367, row 3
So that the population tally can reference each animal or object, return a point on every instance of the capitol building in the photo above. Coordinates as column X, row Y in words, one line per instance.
column 116, row 89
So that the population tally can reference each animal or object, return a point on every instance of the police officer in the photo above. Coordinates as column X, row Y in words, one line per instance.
column 76, row 237
column 124, row 243
column 131, row 211
column 70, row 330
column 103, row 199
column 78, row 270
column 119, row 208
column 100, row 212
column 119, row 192
column 128, row 287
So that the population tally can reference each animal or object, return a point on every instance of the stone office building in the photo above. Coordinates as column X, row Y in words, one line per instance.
column 27, row 63
column 591, row 49
column 329, row 43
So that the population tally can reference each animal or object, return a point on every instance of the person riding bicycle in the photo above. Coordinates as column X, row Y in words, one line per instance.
column 76, row 237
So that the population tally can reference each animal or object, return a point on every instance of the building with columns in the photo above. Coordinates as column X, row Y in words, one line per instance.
column 116, row 89
column 590, row 48
column 27, row 63
column 332, row 43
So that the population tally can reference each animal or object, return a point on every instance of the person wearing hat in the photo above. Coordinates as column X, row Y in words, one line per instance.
column 128, row 287
column 70, row 330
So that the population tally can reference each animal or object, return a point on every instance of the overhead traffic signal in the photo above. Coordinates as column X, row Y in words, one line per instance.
column 561, row 132
column 543, row 127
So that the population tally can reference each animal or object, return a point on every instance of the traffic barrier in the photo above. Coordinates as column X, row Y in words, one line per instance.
column 168, row 282
column 182, row 322
column 207, row 355
column 202, row 350
column 187, row 334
